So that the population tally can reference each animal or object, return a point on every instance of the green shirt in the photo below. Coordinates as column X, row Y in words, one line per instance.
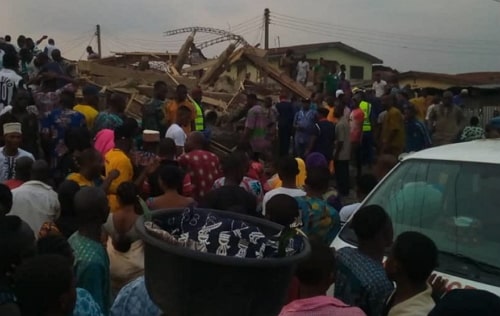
column 319, row 73
column 332, row 83
column 92, row 269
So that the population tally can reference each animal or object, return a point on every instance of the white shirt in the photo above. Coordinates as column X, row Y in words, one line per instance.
column 342, row 134
column 176, row 133
column 418, row 305
column 49, row 49
column 302, row 70
column 9, row 81
column 429, row 110
column 287, row 191
column 379, row 88
column 35, row 203
column 8, row 163
column 347, row 211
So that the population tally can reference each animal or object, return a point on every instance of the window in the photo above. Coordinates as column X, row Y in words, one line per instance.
column 357, row 72
column 453, row 203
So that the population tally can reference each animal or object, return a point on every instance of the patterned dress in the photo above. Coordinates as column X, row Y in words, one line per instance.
column 203, row 167
column 8, row 163
column 361, row 281
column 55, row 124
column 318, row 218
column 92, row 269
column 85, row 304
column 472, row 133
column 133, row 300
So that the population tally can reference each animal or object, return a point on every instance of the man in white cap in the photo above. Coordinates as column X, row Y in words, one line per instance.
column 11, row 152
column 339, row 93
column 150, row 142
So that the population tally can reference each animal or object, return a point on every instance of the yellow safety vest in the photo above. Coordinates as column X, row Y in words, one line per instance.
column 199, row 124
column 366, row 108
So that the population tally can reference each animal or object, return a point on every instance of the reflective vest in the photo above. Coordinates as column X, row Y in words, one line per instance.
column 199, row 123
column 366, row 108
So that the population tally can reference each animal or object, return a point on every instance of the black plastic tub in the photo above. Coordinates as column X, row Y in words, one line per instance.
column 186, row 282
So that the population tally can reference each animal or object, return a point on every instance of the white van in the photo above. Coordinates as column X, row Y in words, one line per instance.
column 451, row 194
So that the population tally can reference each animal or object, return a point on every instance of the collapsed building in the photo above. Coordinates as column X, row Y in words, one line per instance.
column 133, row 74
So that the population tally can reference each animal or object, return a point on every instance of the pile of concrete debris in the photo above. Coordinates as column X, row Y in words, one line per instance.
column 133, row 75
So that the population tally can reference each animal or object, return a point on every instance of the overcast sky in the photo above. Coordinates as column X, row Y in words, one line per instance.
column 427, row 35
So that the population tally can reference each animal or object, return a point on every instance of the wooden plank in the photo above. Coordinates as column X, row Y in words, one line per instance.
column 204, row 65
column 208, row 100
column 212, row 74
column 173, row 70
column 118, row 73
column 279, row 76
column 183, row 54
column 214, row 102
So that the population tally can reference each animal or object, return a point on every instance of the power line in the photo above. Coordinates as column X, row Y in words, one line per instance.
column 377, row 32
column 375, row 41
column 249, row 21
column 91, row 39
column 79, row 44
column 363, row 36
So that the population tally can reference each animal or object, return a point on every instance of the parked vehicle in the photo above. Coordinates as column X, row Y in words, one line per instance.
column 452, row 194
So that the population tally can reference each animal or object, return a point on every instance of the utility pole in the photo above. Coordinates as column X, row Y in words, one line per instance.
column 98, row 35
column 267, row 21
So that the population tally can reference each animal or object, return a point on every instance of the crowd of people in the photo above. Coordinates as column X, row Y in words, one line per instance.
column 76, row 175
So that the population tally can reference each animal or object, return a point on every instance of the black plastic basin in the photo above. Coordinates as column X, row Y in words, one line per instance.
column 185, row 282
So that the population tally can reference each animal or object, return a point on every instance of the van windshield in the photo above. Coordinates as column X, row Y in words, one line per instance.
column 457, row 204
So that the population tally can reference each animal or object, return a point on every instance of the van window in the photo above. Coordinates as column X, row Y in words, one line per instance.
column 456, row 204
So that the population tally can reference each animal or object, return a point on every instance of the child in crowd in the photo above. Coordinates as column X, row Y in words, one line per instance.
column 315, row 276
column 319, row 219
column 282, row 209
column 412, row 259
column 288, row 170
column 332, row 196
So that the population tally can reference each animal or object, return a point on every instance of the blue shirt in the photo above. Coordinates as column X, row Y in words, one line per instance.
column 417, row 136
column 85, row 304
column 361, row 281
column 286, row 113
column 318, row 218
column 325, row 138
column 55, row 124
column 133, row 300
column 305, row 120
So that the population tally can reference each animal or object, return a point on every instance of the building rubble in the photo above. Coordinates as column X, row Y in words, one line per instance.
column 133, row 74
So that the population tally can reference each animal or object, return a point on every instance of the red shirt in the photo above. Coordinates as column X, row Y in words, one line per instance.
column 203, row 167
column 13, row 183
column 356, row 122
column 256, row 172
